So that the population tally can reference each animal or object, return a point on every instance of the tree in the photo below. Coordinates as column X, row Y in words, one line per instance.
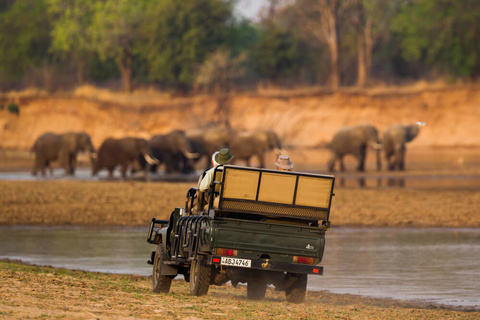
column 444, row 33
column 114, row 32
column 178, row 36
column 319, row 20
column 276, row 53
column 69, row 34
column 24, row 38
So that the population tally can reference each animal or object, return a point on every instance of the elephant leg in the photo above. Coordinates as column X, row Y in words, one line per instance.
column 331, row 164
column 342, row 164
column 401, row 158
column 73, row 163
column 110, row 172
column 36, row 165
column 361, row 158
column 124, row 168
column 50, row 168
column 261, row 157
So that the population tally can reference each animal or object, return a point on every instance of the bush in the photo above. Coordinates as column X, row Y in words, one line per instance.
column 13, row 108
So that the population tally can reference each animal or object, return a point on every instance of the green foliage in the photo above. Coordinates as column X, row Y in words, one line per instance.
column 444, row 33
column 13, row 108
column 24, row 37
column 276, row 53
column 178, row 36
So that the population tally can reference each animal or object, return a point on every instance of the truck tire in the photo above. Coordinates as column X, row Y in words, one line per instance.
column 256, row 289
column 295, row 291
column 199, row 277
column 161, row 283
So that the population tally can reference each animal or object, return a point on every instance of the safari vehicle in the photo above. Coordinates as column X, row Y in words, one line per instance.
column 253, row 226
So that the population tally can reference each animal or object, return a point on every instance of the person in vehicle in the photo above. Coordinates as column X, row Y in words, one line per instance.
column 284, row 164
column 218, row 158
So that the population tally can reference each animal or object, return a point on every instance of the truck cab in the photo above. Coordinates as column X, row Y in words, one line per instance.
column 254, row 226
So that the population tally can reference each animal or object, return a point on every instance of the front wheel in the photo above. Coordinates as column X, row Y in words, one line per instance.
column 199, row 277
column 296, row 288
column 161, row 283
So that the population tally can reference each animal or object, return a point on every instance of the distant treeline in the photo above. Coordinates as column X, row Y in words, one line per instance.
column 202, row 45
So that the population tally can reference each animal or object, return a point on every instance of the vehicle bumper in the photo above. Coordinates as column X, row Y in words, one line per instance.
column 269, row 265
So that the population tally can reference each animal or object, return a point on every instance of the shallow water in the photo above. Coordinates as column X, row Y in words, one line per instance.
column 430, row 265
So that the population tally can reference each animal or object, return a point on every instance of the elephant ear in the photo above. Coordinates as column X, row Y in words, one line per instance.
column 411, row 132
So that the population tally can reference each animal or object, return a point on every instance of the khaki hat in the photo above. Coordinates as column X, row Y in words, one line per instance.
column 284, row 162
column 223, row 156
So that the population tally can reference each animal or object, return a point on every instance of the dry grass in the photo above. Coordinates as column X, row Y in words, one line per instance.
column 43, row 292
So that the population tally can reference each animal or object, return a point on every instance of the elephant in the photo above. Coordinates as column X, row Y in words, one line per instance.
column 174, row 150
column 245, row 145
column 395, row 139
column 354, row 140
column 63, row 148
column 206, row 141
column 123, row 152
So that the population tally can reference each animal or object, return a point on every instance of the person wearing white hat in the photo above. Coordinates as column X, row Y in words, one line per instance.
column 284, row 164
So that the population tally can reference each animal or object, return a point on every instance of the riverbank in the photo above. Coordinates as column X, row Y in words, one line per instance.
column 61, row 293
column 133, row 203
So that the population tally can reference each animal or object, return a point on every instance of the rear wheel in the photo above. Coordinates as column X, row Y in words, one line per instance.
column 296, row 288
column 256, row 289
column 199, row 277
column 161, row 283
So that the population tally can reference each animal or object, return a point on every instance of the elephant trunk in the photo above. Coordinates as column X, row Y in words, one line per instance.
column 150, row 160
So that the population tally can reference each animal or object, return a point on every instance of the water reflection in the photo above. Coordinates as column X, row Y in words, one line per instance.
column 435, row 265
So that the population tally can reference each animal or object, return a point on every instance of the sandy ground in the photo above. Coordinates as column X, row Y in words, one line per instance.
column 47, row 293
column 134, row 203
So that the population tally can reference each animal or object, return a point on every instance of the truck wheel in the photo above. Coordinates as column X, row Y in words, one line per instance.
column 199, row 277
column 296, row 290
column 161, row 283
column 256, row 289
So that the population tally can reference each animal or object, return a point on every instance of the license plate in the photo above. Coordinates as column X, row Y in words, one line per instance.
column 244, row 263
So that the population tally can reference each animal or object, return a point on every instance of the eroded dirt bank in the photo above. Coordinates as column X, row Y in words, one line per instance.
column 301, row 118
column 66, row 294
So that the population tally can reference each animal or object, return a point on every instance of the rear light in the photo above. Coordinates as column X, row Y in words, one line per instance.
column 227, row 252
column 303, row 260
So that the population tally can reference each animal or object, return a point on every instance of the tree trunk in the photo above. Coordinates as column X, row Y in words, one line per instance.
column 334, row 64
column 368, row 48
column 362, row 75
column 125, row 64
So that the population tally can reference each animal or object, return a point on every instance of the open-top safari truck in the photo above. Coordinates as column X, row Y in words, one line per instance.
column 253, row 226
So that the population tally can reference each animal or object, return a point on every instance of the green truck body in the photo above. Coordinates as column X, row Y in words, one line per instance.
column 254, row 226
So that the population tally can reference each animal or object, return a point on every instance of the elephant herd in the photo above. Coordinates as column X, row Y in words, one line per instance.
column 178, row 150
column 355, row 141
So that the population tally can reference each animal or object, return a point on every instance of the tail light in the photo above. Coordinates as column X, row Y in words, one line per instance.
column 303, row 260
column 226, row 252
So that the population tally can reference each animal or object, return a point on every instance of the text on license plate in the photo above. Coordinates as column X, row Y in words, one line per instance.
column 245, row 263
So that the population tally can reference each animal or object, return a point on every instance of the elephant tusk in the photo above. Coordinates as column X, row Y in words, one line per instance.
column 421, row 124
column 190, row 155
column 376, row 146
column 93, row 155
column 150, row 160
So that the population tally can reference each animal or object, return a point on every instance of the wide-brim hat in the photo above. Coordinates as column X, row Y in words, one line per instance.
column 284, row 162
column 223, row 156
